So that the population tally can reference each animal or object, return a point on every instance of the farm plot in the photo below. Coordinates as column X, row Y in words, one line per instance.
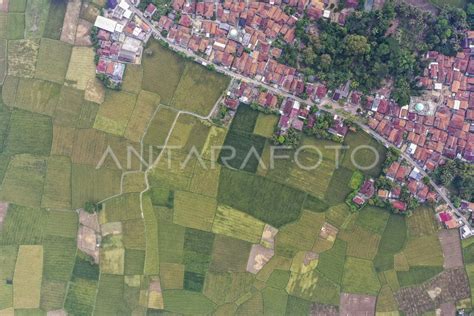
column 81, row 296
column 89, row 146
column 27, row 278
column 3, row 26
column 69, row 106
column 172, row 276
column 63, row 140
column 24, row 179
column 17, row 6
column 3, row 56
column 360, row 153
column 15, row 26
column 373, row 218
column 338, row 188
column 361, row 243
column 199, row 89
column 90, row 184
column 61, row 224
column 162, row 72
column 71, row 18
column 88, row 113
column 260, row 197
column 30, row 133
column 57, row 187
column 245, row 119
column 160, row 127
column 197, row 255
column 360, row 277
column 424, row 251
column 81, row 67
column 110, row 294
column 300, row 235
column 37, row 96
column 134, row 234
column 265, row 125
column 170, row 238
column 114, row 114
column 187, row 302
column 331, row 262
column 22, row 56
column 209, row 176
column 53, row 69
column 229, row 254
column 36, row 14
column 141, row 116
column 132, row 81
column 23, row 226
column 194, row 210
column 52, row 295
column 152, row 246
column 122, row 208
column 54, row 22
column 417, row 275
column 134, row 262
column 422, row 222
column 234, row 223
column 393, row 241
column 59, row 258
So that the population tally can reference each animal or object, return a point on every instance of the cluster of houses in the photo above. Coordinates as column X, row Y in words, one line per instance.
column 441, row 123
column 121, row 37
column 365, row 193
column 293, row 114
column 240, row 35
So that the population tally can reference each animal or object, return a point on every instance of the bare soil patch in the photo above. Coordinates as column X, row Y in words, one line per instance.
column 83, row 32
column 259, row 256
column 451, row 245
column 95, row 91
column 356, row 304
column 71, row 19
column 3, row 212
column 4, row 5
column 324, row 309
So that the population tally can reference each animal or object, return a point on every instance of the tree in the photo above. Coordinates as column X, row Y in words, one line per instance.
column 357, row 44
column 92, row 207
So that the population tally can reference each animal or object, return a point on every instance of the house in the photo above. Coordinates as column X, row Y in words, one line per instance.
column 358, row 200
column 106, row 24
column 150, row 10
column 383, row 194
column 399, row 205
column 367, row 189
column 338, row 128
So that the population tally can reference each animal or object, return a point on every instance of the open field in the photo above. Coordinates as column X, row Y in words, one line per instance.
column 37, row 96
column 15, row 26
column 36, row 14
column 162, row 72
column 28, row 276
column 69, row 107
column 114, row 114
column 360, row 277
column 360, row 154
column 199, row 89
column 53, row 69
column 233, row 223
column 54, row 22
column 81, row 67
column 29, row 133
column 22, row 55
column 141, row 115
column 57, row 187
column 24, row 180
column 194, row 210
column 265, row 125
column 393, row 241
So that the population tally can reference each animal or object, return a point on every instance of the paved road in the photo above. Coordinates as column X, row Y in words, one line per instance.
column 326, row 101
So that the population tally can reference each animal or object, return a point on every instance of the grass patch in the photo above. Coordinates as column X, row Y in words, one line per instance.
column 338, row 188
column 30, row 133
column 162, row 72
column 199, row 89
column 36, row 14
column 245, row 120
column 236, row 224
column 132, row 81
column 361, row 243
column 15, row 25
column 52, row 295
column 69, row 107
column 28, row 277
column 274, row 301
column 298, row 306
column 363, row 156
column 24, row 180
column 23, row 226
column 338, row 215
column 170, row 238
column 260, row 197
column 187, row 302
column 314, row 204
column 17, row 6
column 360, row 277
column 265, row 125
column 53, row 69
column 152, row 246
column 392, row 242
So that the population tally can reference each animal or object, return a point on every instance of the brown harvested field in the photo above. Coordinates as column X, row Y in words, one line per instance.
column 82, row 33
column 81, row 67
column 318, row 309
column 3, row 212
column 451, row 245
column 63, row 140
column 4, row 5
column 356, row 304
column 449, row 286
column 71, row 19
column 87, row 242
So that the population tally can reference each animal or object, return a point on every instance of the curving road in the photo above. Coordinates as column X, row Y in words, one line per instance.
column 325, row 101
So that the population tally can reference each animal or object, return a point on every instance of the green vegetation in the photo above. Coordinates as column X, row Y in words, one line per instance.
column 417, row 275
